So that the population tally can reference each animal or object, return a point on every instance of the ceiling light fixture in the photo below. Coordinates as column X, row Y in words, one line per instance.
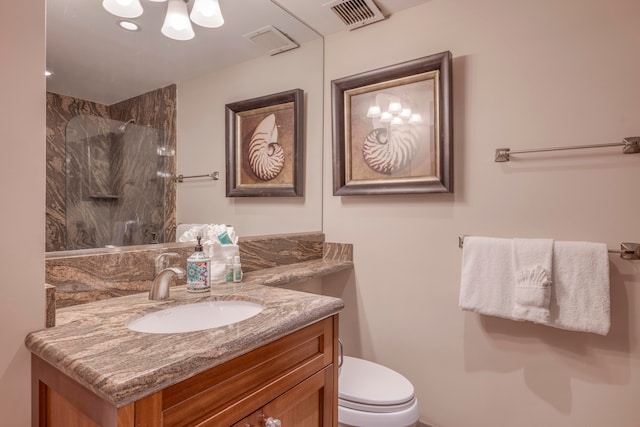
column 396, row 114
column 177, row 24
column 123, row 8
column 206, row 13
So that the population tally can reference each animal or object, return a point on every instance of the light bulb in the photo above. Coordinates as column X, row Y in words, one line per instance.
column 396, row 121
column 374, row 111
column 386, row 117
column 176, row 24
column 405, row 113
column 128, row 25
column 395, row 107
column 123, row 8
column 415, row 118
column 206, row 13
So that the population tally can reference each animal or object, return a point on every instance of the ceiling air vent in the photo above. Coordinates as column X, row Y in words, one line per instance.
column 271, row 39
column 356, row 13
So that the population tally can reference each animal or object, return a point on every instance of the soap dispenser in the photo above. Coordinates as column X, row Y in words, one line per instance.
column 198, row 270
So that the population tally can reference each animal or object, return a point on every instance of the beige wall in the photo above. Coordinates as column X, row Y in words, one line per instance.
column 22, row 184
column 201, row 143
column 525, row 74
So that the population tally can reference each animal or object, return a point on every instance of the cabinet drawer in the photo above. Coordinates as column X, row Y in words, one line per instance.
column 228, row 392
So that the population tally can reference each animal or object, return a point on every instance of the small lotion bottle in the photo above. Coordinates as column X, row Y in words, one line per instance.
column 229, row 270
column 198, row 270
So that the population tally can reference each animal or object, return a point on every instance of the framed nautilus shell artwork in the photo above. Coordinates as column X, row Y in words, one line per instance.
column 392, row 131
column 265, row 146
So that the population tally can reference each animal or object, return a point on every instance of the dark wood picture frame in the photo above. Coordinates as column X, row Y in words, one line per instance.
column 265, row 146
column 414, row 154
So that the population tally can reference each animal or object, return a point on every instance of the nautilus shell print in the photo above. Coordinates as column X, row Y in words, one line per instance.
column 266, row 156
column 390, row 147
column 390, row 150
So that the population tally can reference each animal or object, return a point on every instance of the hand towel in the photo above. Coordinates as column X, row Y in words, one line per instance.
column 532, row 262
column 188, row 232
column 487, row 280
column 219, row 254
column 581, row 295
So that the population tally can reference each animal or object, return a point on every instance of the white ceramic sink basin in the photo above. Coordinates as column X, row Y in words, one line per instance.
column 195, row 317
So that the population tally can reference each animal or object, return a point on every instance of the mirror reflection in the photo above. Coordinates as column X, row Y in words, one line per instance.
column 115, row 173
column 120, row 113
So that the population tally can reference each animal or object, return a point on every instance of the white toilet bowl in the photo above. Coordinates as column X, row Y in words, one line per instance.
column 372, row 395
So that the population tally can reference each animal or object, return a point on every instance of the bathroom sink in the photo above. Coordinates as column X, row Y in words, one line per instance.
column 195, row 317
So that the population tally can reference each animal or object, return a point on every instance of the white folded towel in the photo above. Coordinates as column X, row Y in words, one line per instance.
column 208, row 232
column 581, row 287
column 579, row 298
column 532, row 261
column 487, row 276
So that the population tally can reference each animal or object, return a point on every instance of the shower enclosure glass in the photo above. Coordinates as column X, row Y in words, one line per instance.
column 115, row 183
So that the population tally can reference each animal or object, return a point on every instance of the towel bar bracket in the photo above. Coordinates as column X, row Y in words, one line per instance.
column 629, row 251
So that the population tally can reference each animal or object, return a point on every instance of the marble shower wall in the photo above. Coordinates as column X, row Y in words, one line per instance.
column 105, row 206
column 157, row 110
column 60, row 110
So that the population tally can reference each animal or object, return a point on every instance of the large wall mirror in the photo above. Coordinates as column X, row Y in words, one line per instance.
column 129, row 110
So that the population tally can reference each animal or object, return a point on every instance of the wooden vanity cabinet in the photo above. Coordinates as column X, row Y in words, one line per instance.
column 291, row 382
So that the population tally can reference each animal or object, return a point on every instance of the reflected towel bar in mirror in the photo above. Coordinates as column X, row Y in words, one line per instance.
column 631, row 145
column 214, row 176
column 628, row 251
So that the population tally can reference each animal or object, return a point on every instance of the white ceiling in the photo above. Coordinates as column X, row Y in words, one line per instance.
column 93, row 59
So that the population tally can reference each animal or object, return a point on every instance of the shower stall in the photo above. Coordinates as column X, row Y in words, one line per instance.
column 116, row 174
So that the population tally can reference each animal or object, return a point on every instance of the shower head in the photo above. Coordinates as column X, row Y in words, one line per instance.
column 123, row 126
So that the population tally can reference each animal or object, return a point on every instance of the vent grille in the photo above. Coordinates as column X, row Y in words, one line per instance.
column 356, row 13
column 271, row 39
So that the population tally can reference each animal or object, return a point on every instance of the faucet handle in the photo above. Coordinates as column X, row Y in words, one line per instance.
column 162, row 260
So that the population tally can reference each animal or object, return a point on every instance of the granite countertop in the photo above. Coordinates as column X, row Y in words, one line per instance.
column 92, row 345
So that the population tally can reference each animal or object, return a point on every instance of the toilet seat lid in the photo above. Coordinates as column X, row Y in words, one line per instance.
column 369, row 383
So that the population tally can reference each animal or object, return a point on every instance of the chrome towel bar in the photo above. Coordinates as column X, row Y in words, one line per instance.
column 628, row 251
column 631, row 145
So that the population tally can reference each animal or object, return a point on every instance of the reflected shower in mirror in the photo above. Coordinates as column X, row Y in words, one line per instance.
column 115, row 180
column 109, row 171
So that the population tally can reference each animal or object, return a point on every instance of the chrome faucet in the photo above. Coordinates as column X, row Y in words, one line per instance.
column 162, row 261
column 160, row 287
column 163, row 274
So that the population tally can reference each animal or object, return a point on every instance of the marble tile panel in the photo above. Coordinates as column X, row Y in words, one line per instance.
column 60, row 110
column 84, row 276
column 271, row 251
column 50, row 295
column 338, row 251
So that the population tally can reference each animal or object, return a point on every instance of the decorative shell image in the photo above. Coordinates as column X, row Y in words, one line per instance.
column 390, row 151
column 390, row 147
column 266, row 156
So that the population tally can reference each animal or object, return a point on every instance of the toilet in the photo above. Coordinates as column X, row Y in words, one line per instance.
column 372, row 395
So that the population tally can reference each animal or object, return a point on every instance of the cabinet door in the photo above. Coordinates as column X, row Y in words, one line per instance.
column 309, row 404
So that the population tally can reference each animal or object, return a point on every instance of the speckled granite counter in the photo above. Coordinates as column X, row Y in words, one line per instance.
column 92, row 345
